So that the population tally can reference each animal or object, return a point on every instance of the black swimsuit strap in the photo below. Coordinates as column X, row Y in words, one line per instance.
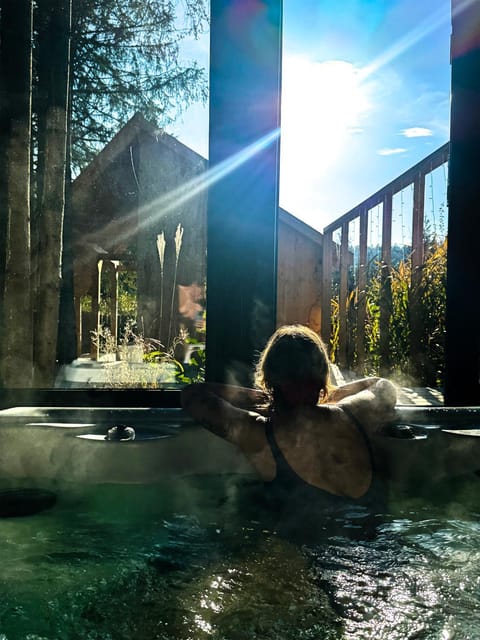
column 275, row 449
column 284, row 470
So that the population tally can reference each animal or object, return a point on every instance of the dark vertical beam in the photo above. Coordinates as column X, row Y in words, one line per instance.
column 462, row 385
column 245, row 66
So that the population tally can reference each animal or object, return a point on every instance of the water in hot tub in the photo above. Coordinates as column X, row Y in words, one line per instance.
column 190, row 562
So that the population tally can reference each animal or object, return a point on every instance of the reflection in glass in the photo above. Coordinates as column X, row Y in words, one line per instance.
column 92, row 180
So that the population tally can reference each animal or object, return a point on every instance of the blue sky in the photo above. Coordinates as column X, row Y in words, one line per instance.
column 365, row 96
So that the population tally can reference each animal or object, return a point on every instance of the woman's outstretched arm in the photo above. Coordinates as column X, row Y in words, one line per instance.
column 351, row 388
column 241, row 397
column 223, row 409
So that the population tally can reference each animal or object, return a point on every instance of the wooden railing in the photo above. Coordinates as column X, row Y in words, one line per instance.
column 346, row 268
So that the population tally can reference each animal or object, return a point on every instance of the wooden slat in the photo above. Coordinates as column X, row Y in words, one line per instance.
column 418, row 222
column 431, row 162
column 95, row 350
column 418, row 256
column 326, row 288
column 387, row 228
column 342, row 316
column 386, row 290
column 362, row 285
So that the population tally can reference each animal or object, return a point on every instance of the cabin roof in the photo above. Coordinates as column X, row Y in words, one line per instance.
column 129, row 133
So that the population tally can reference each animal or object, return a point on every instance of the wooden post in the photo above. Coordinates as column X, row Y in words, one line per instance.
column 418, row 257
column 110, row 273
column 462, row 386
column 386, row 285
column 418, row 244
column 245, row 56
column 96, row 309
column 343, row 297
column 78, row 325
column 327, row 289
column 362, row 293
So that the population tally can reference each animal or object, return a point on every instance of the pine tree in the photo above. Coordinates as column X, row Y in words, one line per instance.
column 126, row 58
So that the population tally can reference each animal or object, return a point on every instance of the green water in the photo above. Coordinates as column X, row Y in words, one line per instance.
column 190, row 562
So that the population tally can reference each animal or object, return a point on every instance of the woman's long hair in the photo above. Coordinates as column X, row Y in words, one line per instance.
column 294, row 353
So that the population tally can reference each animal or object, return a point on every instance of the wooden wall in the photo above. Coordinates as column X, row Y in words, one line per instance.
column 299, row 272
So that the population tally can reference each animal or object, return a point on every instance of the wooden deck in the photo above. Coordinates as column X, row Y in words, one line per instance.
column 425, row 396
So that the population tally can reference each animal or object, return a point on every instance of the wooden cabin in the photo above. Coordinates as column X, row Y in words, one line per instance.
column 140, row 207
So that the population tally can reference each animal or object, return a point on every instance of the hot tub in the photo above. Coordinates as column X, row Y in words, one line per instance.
column 151, row 539
column 69, row 444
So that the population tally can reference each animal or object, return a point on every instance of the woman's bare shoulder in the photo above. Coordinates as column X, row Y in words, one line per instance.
column 374, row 405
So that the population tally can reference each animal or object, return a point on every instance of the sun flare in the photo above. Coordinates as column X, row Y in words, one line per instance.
column 322, row 105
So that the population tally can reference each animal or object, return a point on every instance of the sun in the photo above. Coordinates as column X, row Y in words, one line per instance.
column 322, row 106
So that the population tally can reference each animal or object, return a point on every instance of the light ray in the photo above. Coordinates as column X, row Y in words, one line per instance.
column 188, row 190
column 436, row 20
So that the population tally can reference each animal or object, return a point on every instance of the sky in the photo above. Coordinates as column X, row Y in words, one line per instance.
column 365, row 95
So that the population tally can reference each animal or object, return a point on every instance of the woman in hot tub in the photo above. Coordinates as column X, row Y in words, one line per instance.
column 309, row 442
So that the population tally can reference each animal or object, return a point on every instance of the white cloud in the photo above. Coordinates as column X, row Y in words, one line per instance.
column 390, row 152
column 417, row 132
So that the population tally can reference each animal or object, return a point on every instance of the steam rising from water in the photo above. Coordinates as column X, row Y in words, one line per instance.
column 155, row 562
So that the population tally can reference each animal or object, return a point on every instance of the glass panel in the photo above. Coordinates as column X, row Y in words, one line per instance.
column 353, row 290
column 374, row 240
column 113, row 250
column 402, row 209
column 365, row 97
column 354, row 250
column 434, row 276
column 436, row 209
column 373, row 288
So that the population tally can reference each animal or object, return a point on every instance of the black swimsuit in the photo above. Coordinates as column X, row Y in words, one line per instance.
column 290, row 490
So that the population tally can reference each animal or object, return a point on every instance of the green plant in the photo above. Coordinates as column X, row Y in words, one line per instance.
column 335, row 328
column 433, row 310
column 426, row 366
column 139, row 361
column 194, row 370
